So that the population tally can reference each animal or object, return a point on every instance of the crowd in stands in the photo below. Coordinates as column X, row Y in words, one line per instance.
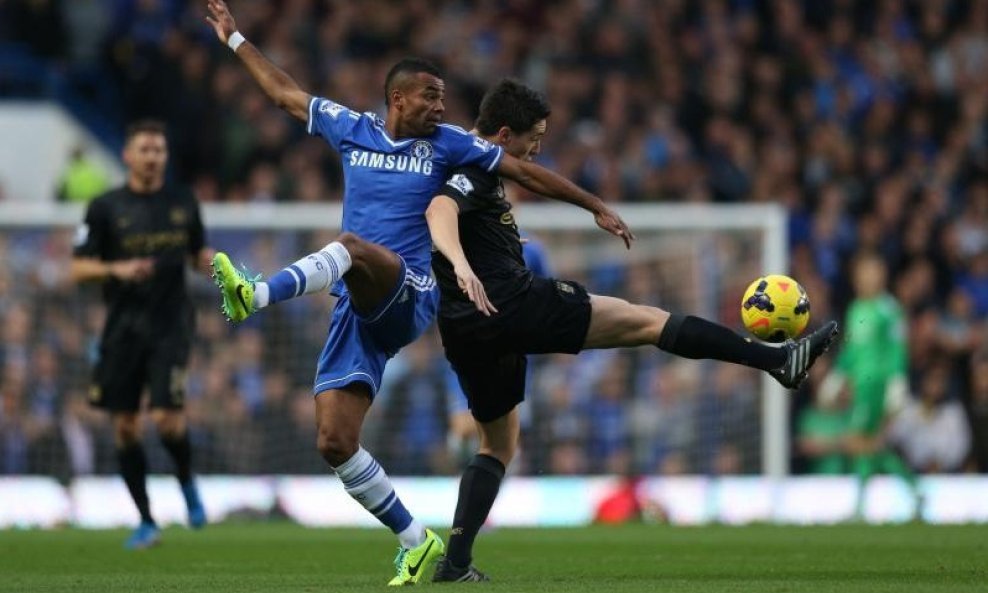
column 867, row 120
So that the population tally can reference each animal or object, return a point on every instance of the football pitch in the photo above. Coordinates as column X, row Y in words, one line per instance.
column 282, row 557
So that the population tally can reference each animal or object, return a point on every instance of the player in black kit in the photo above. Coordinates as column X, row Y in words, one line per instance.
column 494, row 311
column 137, row 240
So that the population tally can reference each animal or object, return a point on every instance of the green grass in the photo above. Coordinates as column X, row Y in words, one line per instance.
column 281, row 557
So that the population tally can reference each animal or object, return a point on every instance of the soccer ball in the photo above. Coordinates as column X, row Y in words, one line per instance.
column 775, row 308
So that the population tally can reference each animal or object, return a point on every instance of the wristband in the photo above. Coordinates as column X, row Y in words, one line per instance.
column 234, row 41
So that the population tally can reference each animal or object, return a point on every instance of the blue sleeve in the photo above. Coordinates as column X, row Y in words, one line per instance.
column 332, row 121
column 467, row 149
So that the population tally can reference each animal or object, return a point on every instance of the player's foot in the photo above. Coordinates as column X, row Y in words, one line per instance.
column 193, row 502
column 447, row 573
column 237, row 288
column 412, row 563
column 145, row 536
column 803, row 353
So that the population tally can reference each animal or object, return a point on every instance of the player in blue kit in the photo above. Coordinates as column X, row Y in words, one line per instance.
column 387, row 298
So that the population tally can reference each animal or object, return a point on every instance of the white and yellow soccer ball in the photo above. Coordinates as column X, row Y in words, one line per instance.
column 775, row 308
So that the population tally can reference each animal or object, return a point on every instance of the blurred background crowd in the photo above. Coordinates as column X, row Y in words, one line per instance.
column 867, row 120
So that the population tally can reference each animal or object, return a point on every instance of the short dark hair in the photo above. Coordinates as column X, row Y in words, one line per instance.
column 145, row 126
column 511, row 103
column 408, row 66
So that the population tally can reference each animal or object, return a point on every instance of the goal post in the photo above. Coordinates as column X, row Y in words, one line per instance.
column 693, row 259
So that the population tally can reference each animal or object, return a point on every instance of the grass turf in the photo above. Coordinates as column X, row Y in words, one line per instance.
column 281, row 557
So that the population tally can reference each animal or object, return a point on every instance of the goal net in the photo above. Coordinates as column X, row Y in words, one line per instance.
column 249, row 402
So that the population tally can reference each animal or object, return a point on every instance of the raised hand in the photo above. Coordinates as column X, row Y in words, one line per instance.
column 608, row 220
column 220, row 18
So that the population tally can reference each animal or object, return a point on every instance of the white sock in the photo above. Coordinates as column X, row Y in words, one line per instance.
column 364, row 480
column 261, row 294
column 313, row 273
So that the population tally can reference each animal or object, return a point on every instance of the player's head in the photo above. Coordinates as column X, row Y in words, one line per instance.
column 869, row 274
column 414, row 92
column 515, row 117
column 146, row 150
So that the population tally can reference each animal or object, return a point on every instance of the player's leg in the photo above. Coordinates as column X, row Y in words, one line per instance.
column 385, row 307
column 864, row 465
column 494, row 384
column 864, row 432
column 118, row 382
column 616, row 323
column 174, row 435
column 166, row 382
column 479, row 486
column 133, row 470
column 890, row 462
column 370, row 271
column 340, row 415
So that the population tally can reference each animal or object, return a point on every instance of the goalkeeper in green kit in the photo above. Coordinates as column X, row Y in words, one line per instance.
column 873, row 365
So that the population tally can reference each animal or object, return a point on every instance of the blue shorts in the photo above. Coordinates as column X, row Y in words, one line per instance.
column 359, row 346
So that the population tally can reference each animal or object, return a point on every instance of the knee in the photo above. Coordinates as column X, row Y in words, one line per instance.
column 503, row 453
column 353, row 244
column 656, row 322
column 335, row 446
column 502, row 450
column 170, row 425
column 126, row 431
column 642, row 325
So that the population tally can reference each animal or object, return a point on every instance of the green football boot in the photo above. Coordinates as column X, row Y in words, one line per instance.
column 237, row 288
column 411, row 564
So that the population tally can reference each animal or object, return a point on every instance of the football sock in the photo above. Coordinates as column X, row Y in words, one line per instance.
column 134, row 468
column 313, row 273
column 181, row 451
column 892, row 463
column 865, row 466
column 364, row 479
column 478, row 489
column 693, row 337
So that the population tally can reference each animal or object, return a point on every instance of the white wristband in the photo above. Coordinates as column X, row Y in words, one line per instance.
column 234, row 40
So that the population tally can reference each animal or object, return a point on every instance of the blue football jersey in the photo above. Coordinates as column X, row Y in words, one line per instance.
column 388, row 184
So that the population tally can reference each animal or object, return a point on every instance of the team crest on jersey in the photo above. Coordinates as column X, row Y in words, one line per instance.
column 460, row 183
column 177, row 216
column 422, row 150
column 333, row 110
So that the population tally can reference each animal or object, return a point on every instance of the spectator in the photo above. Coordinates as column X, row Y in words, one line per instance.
column 932, row 430
column 83, row 179
column 820, row 435
column 979, row 415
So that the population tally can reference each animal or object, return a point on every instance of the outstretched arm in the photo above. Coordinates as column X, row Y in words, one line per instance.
column 442, row 216
column 543, row 181
column 278, row 85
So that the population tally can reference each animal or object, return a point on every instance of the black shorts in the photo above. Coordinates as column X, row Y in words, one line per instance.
column 488, row 355
column 127, row 363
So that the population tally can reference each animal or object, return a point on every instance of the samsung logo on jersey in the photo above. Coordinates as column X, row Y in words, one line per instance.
column 390, row 162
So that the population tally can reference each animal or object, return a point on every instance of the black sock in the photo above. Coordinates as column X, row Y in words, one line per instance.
column 134, row 469
column 181, row 452
column 693, row 337
column 478, row 489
